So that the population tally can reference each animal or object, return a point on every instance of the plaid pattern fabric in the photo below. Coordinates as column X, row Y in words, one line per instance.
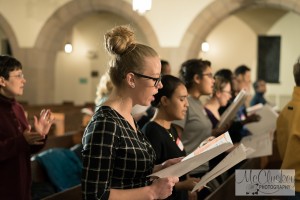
column 114, row 155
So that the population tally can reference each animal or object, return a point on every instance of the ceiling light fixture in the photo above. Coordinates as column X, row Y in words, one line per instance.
column 141, row 6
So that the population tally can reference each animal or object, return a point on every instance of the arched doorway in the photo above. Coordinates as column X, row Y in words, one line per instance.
column 51, row 38
column 211, row 16
column 9, row 35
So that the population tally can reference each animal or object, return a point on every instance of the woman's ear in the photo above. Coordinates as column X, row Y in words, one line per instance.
column 130, row 80
column 164, row 100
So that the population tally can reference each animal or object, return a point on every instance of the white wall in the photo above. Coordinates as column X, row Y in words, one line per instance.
column 171, row 18
column 289, row 29
column 32, row 14
column 232, row 43
column 27, row 17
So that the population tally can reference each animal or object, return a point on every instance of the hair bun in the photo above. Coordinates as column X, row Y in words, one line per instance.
column 119, row 40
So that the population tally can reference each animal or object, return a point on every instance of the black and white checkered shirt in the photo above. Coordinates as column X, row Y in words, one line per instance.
column 114, row 155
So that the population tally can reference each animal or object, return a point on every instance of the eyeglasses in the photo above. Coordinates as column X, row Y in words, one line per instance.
column 228, row 92
column 19, row 76
column 210, row 75
column 156, row 80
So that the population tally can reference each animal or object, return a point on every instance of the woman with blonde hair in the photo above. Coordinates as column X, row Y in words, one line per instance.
column 117, row 157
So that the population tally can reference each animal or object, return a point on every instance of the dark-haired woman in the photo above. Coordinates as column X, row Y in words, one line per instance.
column 171, row 103
column 196, row 126
column 17, row 140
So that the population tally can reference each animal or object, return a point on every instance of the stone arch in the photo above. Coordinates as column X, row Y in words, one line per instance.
column 70, row 13
column 51, row 37
column 8, row 31
column 211, row 16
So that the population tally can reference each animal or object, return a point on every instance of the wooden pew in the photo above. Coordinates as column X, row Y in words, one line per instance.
column 68, row 114
column 73, row 193
column 40, row 178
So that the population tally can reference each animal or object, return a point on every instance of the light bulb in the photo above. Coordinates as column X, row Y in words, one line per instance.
column 68, row 48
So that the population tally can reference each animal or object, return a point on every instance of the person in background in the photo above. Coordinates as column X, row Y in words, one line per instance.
column 196, row 126
column 220, row 97
column 171, row 103
column 165, row 67
column 117, row 156
column 17, row 140
column 229, row 76
column 288, row 133
column 242, row 76
column 260, row 89
column 240, row 79
column 144, row 117
column 104, row 89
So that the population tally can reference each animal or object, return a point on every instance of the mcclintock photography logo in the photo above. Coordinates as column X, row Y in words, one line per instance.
column 265, row 182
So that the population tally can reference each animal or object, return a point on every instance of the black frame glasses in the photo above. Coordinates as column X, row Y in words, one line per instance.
column 156, row 80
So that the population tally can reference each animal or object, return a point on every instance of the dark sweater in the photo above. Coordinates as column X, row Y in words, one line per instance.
column 164, row 143
column 15, row 172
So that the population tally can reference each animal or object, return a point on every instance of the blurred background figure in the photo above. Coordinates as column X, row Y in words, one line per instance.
column 288, row 133
column 260, row 89
column 220, row 97
column 104, row 89
column 165, row 67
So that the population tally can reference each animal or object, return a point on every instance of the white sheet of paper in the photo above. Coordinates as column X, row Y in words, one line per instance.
column 233, row 158
column 262, row 144
column 224, row 138
column 267, row 122
column 201, row 155
column 231, row 111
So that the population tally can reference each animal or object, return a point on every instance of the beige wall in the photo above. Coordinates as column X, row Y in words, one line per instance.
column 289, row 30
column 232, row 43
column 27, row 17
column 87, row 39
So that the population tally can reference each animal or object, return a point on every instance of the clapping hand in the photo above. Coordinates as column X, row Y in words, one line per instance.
column 43, row 124
column 33, row 138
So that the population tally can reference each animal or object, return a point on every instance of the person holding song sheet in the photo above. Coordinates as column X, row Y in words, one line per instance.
column 220, row 97
column 171, row 103
column 117, row 156
column 241, row 80
column 196, row 126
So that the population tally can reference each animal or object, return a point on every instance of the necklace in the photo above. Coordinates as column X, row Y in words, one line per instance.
column 170, row 134
column 161, row 123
